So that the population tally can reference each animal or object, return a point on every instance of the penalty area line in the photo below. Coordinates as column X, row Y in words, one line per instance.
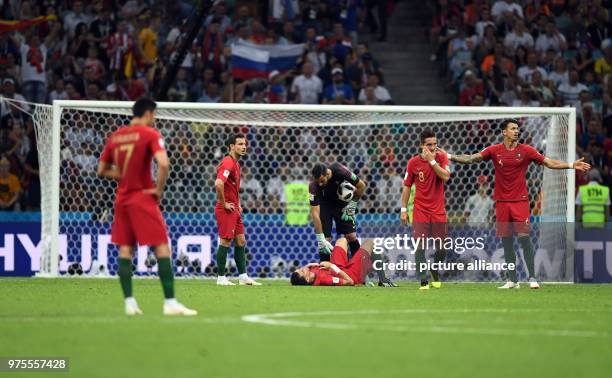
column 287, row 319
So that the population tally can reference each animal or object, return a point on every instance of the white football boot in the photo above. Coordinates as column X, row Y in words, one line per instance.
column 244, row 279
column 224, row 281
column 131, row 307
column 533, row 283
column 172, row 307
column 510, row 285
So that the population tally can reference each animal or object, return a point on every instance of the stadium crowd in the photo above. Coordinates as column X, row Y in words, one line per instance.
column 527, row 53
column 118, row 50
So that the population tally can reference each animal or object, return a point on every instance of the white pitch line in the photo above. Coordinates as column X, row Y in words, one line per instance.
column 280, row 319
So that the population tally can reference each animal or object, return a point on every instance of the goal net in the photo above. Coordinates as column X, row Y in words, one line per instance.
column 284, row 142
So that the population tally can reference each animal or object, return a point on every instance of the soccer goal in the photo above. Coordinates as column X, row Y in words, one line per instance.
column 283, row 143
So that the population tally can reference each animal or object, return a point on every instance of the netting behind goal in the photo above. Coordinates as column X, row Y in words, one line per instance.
column 283, row 144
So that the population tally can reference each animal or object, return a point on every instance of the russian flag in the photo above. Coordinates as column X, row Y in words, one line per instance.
column 283, row 57
column 276, row 57
column 249, row 62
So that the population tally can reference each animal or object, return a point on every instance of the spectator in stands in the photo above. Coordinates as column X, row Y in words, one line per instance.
column 93, row 68
column 479, row 206
column 525, row 73
column 120, row 47
column 459, row 54
column 75, row 17
column 381, row 94
column 212, row 94
column 31, row 169
column 8, row 91
column 277, row 91
column 219, row 12
column 526, row 98
column 338, row 92
column 571, row 90
column 369, row 97
column 389, row 187
column 307, row 87
column 543, row 93
column 275, row 189
column 251, row 191
column 603, row 65
column 520, row 36
column 484, row 22
column 560, row 74
column 148, row 39
column 594, row 133
column 473, row 86
column 10, row 188
column 510, row 92
column 34, row 65
column 551, row 39
column 501, row 7
column 601, row 29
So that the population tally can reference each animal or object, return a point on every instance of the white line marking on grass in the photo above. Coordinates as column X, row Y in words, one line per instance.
column 115, row 319
column 286, row 319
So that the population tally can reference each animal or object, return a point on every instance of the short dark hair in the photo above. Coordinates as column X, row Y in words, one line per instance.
column 296, row 279
column 143, row 105
column 318, row 170
column 504, row 125
column 232, row 139
column 427, row 133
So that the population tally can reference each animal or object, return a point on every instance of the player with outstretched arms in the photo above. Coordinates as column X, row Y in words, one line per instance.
column 511, row 160
column 229, row 213
column 429, row 172
column 127, row 157
column 342, row 271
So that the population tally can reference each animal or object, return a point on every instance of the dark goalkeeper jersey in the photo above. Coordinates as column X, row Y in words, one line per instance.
column 328, row 195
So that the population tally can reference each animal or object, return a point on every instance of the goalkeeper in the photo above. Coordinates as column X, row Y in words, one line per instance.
column 326, row 206
column 340, row 271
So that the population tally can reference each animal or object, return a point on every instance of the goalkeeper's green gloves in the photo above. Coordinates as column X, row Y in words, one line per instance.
column 324, row 246
column 348, row 213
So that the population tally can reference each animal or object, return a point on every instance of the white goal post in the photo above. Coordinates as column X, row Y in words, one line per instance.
column 284, row 140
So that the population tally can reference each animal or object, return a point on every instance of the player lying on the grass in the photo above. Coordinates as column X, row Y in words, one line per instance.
column 511, row 160
column 428, row 172
column 331, row 201
column 228, row 213
column 340, row 271
column 127, row 157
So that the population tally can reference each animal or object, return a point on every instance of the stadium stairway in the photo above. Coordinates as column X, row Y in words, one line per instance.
column 409, row 75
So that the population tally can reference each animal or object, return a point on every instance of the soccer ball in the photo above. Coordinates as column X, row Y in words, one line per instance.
column 345, row 191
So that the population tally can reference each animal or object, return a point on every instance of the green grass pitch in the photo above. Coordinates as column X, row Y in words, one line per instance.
column 462, row 330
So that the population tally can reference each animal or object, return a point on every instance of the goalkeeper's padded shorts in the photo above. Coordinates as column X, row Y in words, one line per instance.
column 333, row 214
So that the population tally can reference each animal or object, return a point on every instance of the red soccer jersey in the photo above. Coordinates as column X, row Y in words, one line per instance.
column 429, row 195
column 510, row 169
column 228, row 171
column 325, row 277
column 131, row 149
